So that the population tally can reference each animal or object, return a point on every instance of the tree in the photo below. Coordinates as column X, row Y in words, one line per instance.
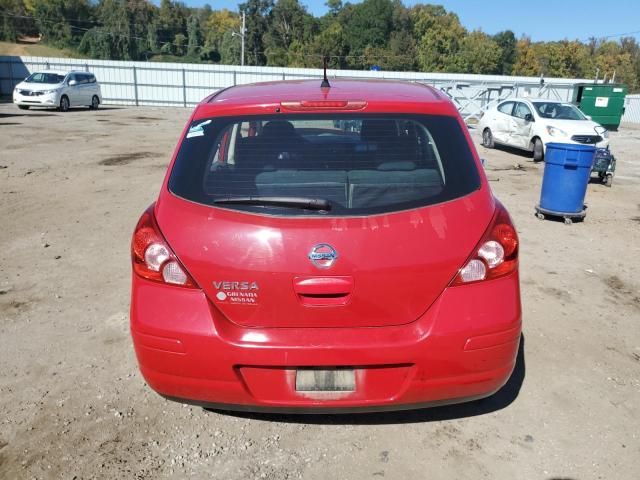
column 229, row 49
column 180, row 44
column 218, row 24
column 506, row 40
column 172, row 20
column 367, row 24
column 123, row 33
column 330, row 42
column 527, row 62
column 10, row 25
column 286, row 25
column 334, row 7
column 257, row 23
column 58, row 20
column 438, row 33
column 479, row 53
column 610, row 58
column 563, row 59
column 193, row 35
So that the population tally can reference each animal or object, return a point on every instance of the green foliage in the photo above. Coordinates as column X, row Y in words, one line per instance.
column 367, row 24
column 479, row 53
column 438, row 34
column 257, row 13
column 229, row 49
column 507, row 42
column 282, row 32
column 9, row 26
column 194, row 36
column 527, row 61
column 51, row 18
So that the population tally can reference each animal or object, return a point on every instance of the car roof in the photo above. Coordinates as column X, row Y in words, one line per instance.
column 55, row 72
column 341, row 89
column 383, row 94
column 530, row 100
column 62, row 72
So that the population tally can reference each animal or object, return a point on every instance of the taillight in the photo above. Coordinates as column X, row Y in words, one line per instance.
column 497, row 253
column 152, row 257
column 324, row 105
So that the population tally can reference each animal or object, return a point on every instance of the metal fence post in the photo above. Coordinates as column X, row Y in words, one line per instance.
column 11, row 85
column 235, row 78
column 184, row 88
column 135, row 84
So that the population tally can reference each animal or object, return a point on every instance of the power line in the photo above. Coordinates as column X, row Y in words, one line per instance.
column 613, row 35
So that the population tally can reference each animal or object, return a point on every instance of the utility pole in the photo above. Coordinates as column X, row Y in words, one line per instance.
column 241, row 34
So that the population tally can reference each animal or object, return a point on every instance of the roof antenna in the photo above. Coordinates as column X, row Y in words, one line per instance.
column 325, row 81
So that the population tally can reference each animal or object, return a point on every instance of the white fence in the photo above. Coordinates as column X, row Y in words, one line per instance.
column 185, row 84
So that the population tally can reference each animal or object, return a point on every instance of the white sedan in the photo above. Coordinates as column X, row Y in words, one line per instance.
column 530, row 124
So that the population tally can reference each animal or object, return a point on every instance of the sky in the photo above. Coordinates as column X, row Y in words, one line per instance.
column 541, row 20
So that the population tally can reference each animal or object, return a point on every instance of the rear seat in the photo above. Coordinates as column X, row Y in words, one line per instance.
column 331, row 185
column 258, row 172
column 369, row 188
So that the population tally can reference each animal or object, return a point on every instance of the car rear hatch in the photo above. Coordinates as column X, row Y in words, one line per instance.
column 397, row 229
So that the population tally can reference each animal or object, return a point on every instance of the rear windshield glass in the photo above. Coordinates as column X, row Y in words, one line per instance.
column 319, row 165
column 559, row 111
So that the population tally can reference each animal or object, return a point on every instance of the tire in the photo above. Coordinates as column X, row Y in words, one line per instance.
column 64, row 104
column 23, row 107
column 95, row 103
column 538, row 150
column 608, row 180
column 487, row 138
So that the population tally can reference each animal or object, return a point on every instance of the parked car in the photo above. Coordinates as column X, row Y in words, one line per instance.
column 530, row 124
column 325, row 249
column 58, row 89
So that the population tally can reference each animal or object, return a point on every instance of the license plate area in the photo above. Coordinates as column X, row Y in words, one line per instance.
column 325, row 380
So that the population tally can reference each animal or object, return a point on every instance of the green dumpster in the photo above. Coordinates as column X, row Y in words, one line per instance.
column 603, row 102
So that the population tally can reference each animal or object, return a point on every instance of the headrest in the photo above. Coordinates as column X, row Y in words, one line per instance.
column 376, row 130
column 278, row 128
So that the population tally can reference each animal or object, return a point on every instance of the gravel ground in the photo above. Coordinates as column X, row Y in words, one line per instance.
column 73, row 405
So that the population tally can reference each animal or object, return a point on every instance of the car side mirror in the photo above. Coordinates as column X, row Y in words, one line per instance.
column 588, row 117
column 72, row 83
column 528, row 118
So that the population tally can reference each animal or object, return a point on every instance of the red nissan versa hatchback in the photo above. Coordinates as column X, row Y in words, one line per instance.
column 325, row 249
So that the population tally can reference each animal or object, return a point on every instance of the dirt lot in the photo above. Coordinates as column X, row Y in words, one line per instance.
column 73, row 405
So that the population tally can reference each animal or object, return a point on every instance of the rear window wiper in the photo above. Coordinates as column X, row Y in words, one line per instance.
column 293, row 202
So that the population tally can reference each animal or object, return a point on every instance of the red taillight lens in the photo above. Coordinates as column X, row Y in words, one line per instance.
column 324, row 105
column 497, row 253
column 152, row 257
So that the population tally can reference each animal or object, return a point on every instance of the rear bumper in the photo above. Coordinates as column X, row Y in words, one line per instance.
column 463, row 348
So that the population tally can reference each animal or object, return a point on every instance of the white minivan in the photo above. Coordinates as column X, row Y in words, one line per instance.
column 530, row 124
column 58, row 89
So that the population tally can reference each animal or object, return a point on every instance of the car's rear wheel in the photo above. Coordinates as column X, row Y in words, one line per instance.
column 64, row 104
column 23, row 107
column 487, row 138
column 538, row 150
column 95, row 103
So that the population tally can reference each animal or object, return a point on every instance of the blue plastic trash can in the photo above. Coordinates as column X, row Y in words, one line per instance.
column 566, row 175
